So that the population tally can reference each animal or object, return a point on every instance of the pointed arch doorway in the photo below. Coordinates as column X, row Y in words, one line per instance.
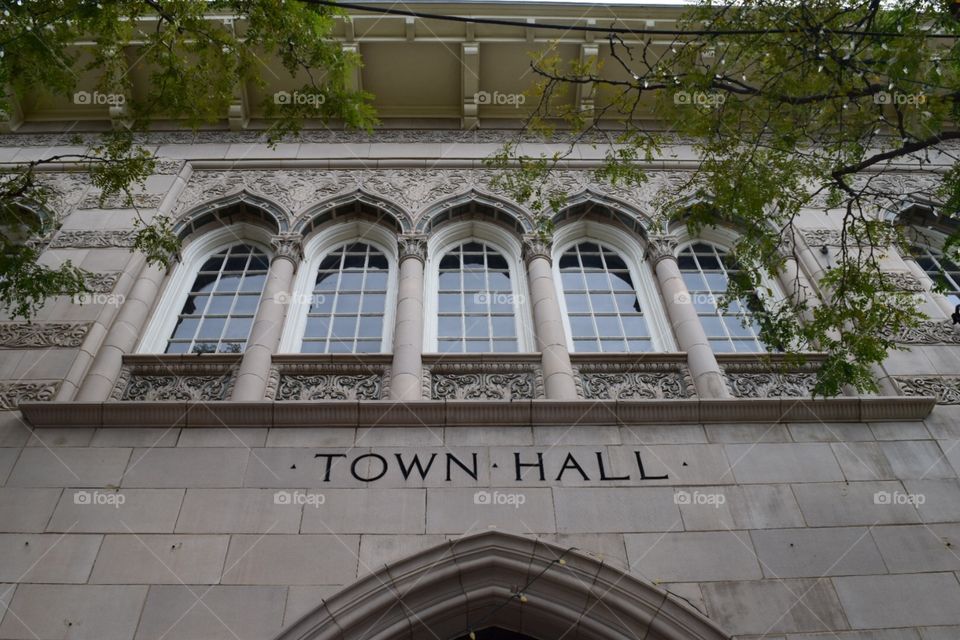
column 500, row 586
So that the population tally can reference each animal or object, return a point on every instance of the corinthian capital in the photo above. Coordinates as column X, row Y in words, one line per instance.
column 536, row 246
column 413, row 246
column 287, row 245
column 660, row 247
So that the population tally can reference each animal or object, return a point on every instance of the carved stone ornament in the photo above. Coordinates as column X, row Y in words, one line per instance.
column 101, row 282
column 535, row 246
column 903, row 281
column 13, row 393
column 771, row 385
column 122, row 201
column 634, row 381
column 927, row 332
column 945, row 389
column 288, row 245
column 412, row 246
column 483, row 386
column 22, row 335
column 331, row 386
column 93, row 239
column 151, row 387
column 822, row 237
column 483, row 381
column 660, row 247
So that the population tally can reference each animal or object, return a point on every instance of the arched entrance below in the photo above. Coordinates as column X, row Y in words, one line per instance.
column 493, row 583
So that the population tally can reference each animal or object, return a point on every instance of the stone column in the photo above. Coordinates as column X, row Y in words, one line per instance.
column 406, row 371
column 264, row 337
column 122, row 337
column 704, row 369
column 794, row 281
column 558, row 380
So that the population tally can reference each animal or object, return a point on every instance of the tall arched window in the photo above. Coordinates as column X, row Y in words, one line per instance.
column 475, row 301
column 218, row 312
column 706, row 269
column 941, row 269
column 603, row 311
column 348, row 301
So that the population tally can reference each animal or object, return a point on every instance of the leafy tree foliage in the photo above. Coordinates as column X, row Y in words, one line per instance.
column 783, row 102
column 194, row 55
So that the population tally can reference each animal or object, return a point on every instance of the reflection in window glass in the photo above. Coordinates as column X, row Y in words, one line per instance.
column 706, row 268
column 475, row 310
column 347, row 306
column 601, row 301
column 942, row 270
column 218, row 313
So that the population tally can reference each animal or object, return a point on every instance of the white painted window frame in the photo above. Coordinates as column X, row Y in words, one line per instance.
column 640, row 272
column 454, row 234
column 167, row 310
column 315, row 249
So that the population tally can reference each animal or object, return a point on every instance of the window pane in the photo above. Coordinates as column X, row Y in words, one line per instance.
column 707, row 277
column 220, row 323
column 352, row 280
column 612, row 299
column 470, row 296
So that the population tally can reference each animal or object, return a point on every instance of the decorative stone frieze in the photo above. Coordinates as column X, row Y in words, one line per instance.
column 101, row 282
column 23, row 335
column 412, row 246
column 97, row 239
column 161, row 378
column 122, row 201
column 634, row 381
column 945, row 389
column 303, row 379
column 771, row 385
column 769, row 376
column 903, row 281
column 13, row 393
column 927, row 332
column 822, row 237
column 483, row 381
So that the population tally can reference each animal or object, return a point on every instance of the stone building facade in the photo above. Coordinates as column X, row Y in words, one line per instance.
column 367, row 400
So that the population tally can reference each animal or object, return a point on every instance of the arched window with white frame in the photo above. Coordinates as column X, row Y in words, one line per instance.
column 606, row 292
column 943, row 271
column 212, row 297
column 344, row 295
column 476, row 292
column 707, row 268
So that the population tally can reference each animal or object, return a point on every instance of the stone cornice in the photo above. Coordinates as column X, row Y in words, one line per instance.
column 453, row 413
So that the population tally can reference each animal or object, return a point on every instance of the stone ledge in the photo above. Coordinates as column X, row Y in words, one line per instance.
column 455, row 413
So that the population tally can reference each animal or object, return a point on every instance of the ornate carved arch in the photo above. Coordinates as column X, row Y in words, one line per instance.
column 473, row 583
column 480, row 205
column 357, row 201
column 600, row 206
column 239, row 206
